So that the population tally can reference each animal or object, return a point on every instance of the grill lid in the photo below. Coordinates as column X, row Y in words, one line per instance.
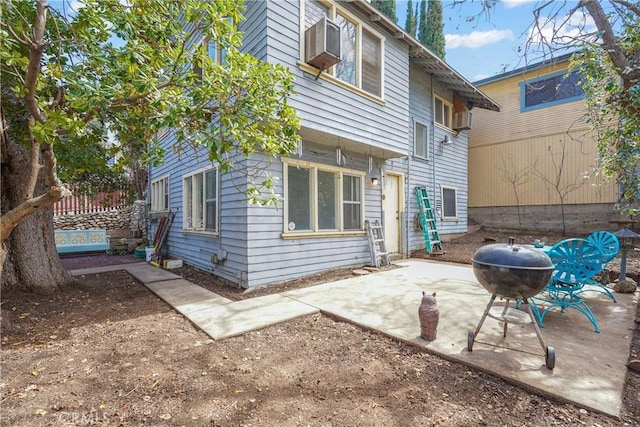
column 512, row 256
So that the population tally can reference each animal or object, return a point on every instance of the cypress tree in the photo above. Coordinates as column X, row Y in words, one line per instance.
column 410, row 24
column 422, row 23
column 434, row 33
column 387, row 8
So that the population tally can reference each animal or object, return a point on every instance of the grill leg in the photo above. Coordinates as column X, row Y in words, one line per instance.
column 535, row 323
column 485, row 314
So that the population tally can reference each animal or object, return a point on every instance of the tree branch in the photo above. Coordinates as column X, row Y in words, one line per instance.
column 34, row 162
column 9, row 220
column 632, row 7
column 35, row 56
column 611, row 45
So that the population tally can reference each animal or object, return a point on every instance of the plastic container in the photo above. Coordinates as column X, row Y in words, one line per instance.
column 148, row 252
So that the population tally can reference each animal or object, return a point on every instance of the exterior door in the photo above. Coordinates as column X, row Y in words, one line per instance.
column 392, row 208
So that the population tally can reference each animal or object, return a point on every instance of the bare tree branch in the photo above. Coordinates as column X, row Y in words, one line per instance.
column 631, row 6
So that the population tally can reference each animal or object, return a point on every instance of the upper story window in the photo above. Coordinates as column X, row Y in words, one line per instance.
column 362, row 50
column 443, row 111
column 420, row 141
column 322, row 199
column 160, row 195
column 550, row 90
column 200, row 201
column 216, row 53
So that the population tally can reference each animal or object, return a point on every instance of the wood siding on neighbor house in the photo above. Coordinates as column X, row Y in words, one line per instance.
column 526, row 152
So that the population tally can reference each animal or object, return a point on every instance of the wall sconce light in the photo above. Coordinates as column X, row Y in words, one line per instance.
column 446, row 140
column 374, row 181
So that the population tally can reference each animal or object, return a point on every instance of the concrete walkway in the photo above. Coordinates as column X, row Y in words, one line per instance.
column 590, row 367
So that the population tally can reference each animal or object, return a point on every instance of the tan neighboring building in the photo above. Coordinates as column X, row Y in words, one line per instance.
column 535, row 159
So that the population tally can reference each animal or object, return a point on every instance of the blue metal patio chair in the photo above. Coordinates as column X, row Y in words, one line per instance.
column 575, row 262
column 609, row 245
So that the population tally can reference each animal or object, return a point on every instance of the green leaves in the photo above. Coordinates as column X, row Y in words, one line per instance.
column 127, row 66
column 613, row 102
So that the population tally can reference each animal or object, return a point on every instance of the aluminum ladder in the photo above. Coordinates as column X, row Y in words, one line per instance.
column 379, row 254
column 432, row 241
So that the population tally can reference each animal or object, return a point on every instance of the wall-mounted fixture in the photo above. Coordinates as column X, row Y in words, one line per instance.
column 446, row 140
column 374, row 181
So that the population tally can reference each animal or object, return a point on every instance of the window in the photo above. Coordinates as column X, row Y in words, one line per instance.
column 442, row 112
column 449, row 202
column 200, row 200
column 160, row 195
column 421, row 149
column 362, row 49
column 550, row 90
column 322, row 198
column 215, row 52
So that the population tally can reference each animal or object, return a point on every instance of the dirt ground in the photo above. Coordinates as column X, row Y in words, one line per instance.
column 106, row 351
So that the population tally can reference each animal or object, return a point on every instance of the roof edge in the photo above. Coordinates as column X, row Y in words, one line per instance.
column 525, row 69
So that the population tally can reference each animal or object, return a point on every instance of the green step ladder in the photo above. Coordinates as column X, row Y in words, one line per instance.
column 432, row 241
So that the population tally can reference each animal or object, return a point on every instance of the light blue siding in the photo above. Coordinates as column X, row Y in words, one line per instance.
column 251, row 236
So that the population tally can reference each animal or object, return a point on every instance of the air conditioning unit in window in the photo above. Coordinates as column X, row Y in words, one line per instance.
column 462, row 120
column 322, row 44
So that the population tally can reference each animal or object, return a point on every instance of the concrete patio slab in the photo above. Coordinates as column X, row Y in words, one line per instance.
column 146, row 273
column 228, row 320
column 590, row 368
column 185, row 296
column 94, row 270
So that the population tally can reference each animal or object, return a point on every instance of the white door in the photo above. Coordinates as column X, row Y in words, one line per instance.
column 391, row 206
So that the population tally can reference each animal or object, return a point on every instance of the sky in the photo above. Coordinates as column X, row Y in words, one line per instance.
column 487, row 45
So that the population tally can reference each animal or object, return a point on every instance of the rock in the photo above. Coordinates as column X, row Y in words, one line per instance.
column 634, row 365
column 360, row 272
column 627, row 286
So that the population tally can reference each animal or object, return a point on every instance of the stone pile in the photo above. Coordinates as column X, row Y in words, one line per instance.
column 132, row 218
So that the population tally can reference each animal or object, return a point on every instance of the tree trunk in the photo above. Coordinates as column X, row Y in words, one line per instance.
column 31, row 261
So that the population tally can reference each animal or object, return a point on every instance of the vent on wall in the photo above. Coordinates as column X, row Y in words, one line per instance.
column 462, row 120
column 322, row 44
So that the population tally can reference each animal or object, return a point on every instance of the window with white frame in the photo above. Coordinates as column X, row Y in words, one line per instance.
column 449, row 199
column 321, row 198
column 216, row 52
column 443, row 111
column 361, row 48
column 420, row 140
column 160, row 194
column 200, row 201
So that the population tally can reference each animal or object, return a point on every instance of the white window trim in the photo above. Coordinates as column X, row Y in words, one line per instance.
column 415, row 141
column 447, row 103
column 455, row 189
column 201, row 171
column 330, row 74
column 158, row 194
column 315, row 232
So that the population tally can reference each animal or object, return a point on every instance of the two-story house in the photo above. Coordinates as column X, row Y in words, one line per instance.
column 531, row 165
column 387, row 117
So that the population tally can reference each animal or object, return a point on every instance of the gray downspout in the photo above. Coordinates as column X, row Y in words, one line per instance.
column 433, row 146
column 408, row 192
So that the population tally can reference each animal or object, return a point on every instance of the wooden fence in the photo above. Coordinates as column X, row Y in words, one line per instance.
column 79, row 204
